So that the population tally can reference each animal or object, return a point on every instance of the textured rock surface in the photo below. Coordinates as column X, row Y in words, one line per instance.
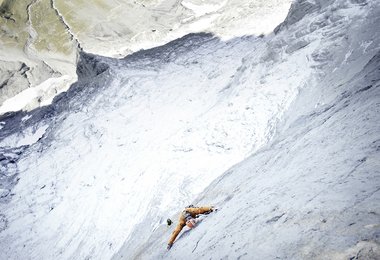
column 96, row 174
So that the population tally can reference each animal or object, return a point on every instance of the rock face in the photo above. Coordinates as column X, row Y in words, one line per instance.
column 279, row 132
column 45, row 36
column 37, row 55
column 312, row 192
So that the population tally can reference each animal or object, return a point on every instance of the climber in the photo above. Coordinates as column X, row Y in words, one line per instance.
column 188, row 218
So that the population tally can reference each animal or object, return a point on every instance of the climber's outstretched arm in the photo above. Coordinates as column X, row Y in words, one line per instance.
column 175, row 233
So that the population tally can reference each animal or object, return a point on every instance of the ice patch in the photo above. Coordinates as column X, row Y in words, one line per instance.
column 348, row 54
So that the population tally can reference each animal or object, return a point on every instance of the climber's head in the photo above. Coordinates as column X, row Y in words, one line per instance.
column 191, row 222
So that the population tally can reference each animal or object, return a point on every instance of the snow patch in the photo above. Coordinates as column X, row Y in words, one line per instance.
column 25, row 118
column 202, row 8
column 43, row 94
column 28, row 137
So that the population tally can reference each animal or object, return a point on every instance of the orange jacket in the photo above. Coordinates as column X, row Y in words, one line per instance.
column 194, row 212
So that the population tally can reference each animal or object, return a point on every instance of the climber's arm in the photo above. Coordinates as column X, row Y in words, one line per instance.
column 175, row 233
